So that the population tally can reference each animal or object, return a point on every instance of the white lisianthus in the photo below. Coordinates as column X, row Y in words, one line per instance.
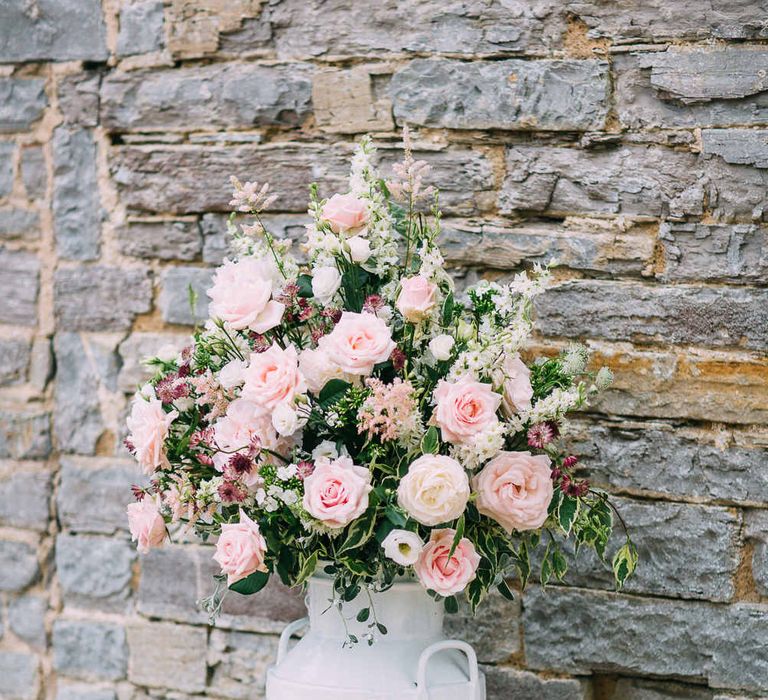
column 231, row 374
column 325, row 283
column 326, row 449
column 402, row 547
column 286, row 472
column 440, row 346
column 286, row 420
column 359, row 249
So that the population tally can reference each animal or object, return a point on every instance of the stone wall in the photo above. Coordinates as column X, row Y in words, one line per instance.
column 628, row 140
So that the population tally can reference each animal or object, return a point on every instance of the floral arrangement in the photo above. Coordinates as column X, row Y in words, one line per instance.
column 348, row 409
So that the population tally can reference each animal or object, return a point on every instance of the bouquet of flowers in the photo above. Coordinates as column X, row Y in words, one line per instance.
column 346, row 408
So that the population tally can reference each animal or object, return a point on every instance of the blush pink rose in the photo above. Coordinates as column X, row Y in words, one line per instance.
column 416, row 299
column 345, row 212
column 337, row 492
column 358, row 342
column 318, row 369
column 240, row 549
column 241, row 295
column 273, row 377
column 443, row 574
column 517, row 389
column 148, row 425
column 515, row 489
column 146, row 524
column 464, row 408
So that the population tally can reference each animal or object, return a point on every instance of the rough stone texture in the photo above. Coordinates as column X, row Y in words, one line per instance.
column 79, row 98
column 239, row 661
column 25, row 434
column 14, row 360
column 220, row 95
column 21, row 103
column 19, row 286
column 494, row 630
column 175, row 302
column 89, row 650
column 26, row 619
column 510, row 683
column 24, row 499
column 141, row 28
column 19, row 675
column 632, row 689
column 741, row 146
column 165, row 240
column 33, row 173
column 757, row 531
column 19, row 224
column 76, row 691
column 18, row 565
column 514, row 94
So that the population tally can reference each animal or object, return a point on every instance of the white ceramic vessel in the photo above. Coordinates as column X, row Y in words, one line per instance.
column 413, row 661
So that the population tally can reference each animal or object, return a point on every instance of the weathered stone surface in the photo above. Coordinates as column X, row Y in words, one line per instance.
column 739, row 146
column 94, row 571
column 190, row 180
column 26, row 618
column 690, row 639
column 239, row 661
column 166, row 240
column 85, row 365
column 100, row 298
column 89, row 650
column 174, row 295
column 79, row 98
column 33, row 171
column 164, row 655
column 640, row 313
column 636, row 689
column 757, row 531
column 75, row 691
column 684, row 87
column 220, row 95
column 76, row 208
column 25, row 434
column 506, row 683
column 103, row 481
column 494, row 630
column 19, row 285
column 138, row 346
column 514, row 94
column 19, row 677
column 141, row 28
column 737, row 254
column 656, row 459
column 18, row 224
column 54, row 29
column 18, row 565
column 6, row 167
column 22, row 102
column 14, row 360
column 24, row 499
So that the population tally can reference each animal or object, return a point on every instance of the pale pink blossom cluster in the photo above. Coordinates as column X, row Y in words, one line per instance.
column 390, row 412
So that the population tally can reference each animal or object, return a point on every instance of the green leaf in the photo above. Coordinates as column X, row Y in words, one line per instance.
column 523, row 563
column 382, row 629
column 351, row 593
column 333, row 390
column 395, row 516
column 451, row 604
column 624, row 563
column 251, row 584
column 363, row 615
column 360, row 531
column 304, row 283
column 430, row 443
column 505, row 590
column 567, row 512
column 457, row 537
column 554, row 504
column 447, row 311
column 559, row 564
column 308, row 567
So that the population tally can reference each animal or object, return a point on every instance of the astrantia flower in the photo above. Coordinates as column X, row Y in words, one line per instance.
column 541, row 434
column 231, row 492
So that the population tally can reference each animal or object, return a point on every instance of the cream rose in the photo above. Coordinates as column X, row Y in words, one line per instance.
column 273, row 377
column 416, row 299
column 359, row 249
column 443, row 574
column 517, row 389
column 325, row 283
column 464, row 408
column 435, row 490
column 441, row 346
column 337, row 492
column 402, row 547
column 515, row 489
column 318, row 369
column 241, row 295
column 232, row 374
column 240, row 549
column 345, row 212
column 358, row 342
column 148, row 425
column 146, row 524
column 286, row 420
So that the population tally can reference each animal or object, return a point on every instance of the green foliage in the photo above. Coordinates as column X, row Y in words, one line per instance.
column 251, row 584
column 430, row 443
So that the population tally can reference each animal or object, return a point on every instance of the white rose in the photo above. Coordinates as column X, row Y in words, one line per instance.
column 286, row 420
column 318, row 369
column 359, row 249
column 184, row 404
column 440, row 346
column 325, row 283
column 402, row 547
column 435, row 490
column 231, row 374
column 168, row 353
column 325, row 450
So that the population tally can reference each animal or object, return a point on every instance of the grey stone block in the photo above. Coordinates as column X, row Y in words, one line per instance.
column 89, row 650
column 7, row 149
column 26, row 618
column 166, row 240
column 79, row 98
column 52, row 29
column 22, row 102
column 94, row 571
column 18, row 565
column 19, row 224
column 19, row 675
column 493, row 631
column 100, row 298
column 19, row 286
column 25, row 434
column 174, row 302
column 548, row 95
column 757, row 531
column 141, row 28
column 219, row 95
column 24, row 499
column 739, row 146
column 14, row 360
column 137, row 347
column 76, row 206
column 507, row 683
column 239, row 661
column 637, row 689
column 76, row 691
column 33, row 171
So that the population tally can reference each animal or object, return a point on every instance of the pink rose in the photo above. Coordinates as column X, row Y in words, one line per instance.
column 240, row 549
column 464, row 408
column 416, row 298
column 146, row 524
column 443, row 574
column 516, row 388
column 337, row 492
column 345, row 212
column 358, row 342
column 241, row 295
column 273, row 377
column 515, row 489
column 318, row 369
column 148, row 425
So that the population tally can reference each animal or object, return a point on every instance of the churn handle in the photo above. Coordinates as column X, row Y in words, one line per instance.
column 285, row 636
column 421, row 669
